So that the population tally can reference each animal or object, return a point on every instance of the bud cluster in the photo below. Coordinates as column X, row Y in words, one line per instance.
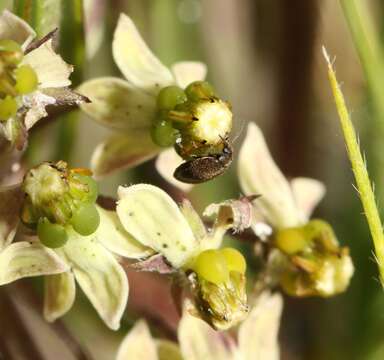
column 194, row 120
column 16, row 79
column 58, row 198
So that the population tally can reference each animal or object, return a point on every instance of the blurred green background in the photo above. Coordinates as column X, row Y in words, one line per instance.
column 265, row 58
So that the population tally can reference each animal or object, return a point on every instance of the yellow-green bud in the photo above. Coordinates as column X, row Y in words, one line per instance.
column 59, row 196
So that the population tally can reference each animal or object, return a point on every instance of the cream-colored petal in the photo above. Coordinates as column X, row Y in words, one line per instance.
column 258, row 334
column 99, row 275
column 14, row 28
column 194, row 220
column 153, row 218
column 166, row 164
column 113, row 236
column 138, row 344
column 115, row 103
column 24, row 259
column 134, row 59
column 187, row 72
column 36, row 102
column 259, row 175
column 59, row 295
column 11, row 198
column 307, row 193
column 168, row 350
column 199, row 341
column 52, row 71
column 122, row 152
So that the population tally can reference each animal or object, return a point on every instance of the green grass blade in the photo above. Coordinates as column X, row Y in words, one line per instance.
column 359, row 169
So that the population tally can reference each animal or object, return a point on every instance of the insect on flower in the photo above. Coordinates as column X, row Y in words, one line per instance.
column 203, row 168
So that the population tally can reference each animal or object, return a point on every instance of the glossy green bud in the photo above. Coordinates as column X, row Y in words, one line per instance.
column 163, row 134
column 235, row 260
column 199, row 90
column 86, row 219
column 51, row 235
column 291, row 240
column 169, row 97
column 211, row 265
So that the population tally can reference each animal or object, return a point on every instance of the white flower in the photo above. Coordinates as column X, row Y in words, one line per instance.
column 314, row 262
column 46, row 70
column 129, row 106
column 257, row 338
column 179, row 237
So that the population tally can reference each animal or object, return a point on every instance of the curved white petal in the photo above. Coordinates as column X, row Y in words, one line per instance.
column 52, row 71
column 115, row 103
column 153, row 218
column 138, row 344
column 259, row 175
column 258, row 334
column 166, row 164
column 24, row 259
column 14, row 28
column 199, row 341
column 122, row 152
column 136, row 61
column 99, row 275
column 307, row 193
column 59, row 295
column 113, row 236
column 187, row 72
column 11, row 198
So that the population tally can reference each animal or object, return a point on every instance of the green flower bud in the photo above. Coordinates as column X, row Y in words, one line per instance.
column 169, row 97
column 163, row 133
column 26, row 79
column 199, row 90
column 58, row 196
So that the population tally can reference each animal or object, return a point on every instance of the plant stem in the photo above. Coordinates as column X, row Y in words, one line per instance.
column 368, row 46
column 359, row 170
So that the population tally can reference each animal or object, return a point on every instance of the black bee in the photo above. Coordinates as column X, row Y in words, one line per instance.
column 204, row 168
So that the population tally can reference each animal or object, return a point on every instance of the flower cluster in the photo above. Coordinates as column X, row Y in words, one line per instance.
column 65, row 234
column 32, row 76
column 155, row 108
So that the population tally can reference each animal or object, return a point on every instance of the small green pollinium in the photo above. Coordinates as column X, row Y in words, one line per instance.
column 58, row 198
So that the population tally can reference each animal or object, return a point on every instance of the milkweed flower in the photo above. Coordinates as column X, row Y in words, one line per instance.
column 257, row 338
column 76, row 242
column 32, row 76
column 310, row 258
column 154, row 109
column 183, row 247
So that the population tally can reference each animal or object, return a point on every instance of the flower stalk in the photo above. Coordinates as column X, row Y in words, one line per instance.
column 359, row 169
